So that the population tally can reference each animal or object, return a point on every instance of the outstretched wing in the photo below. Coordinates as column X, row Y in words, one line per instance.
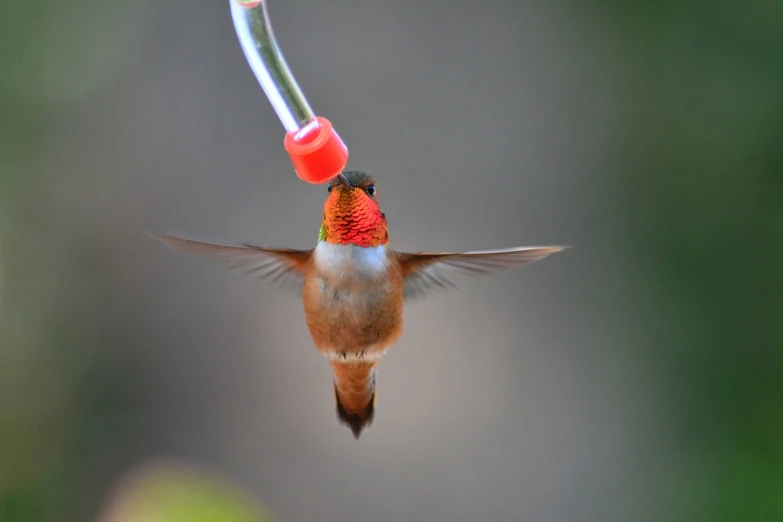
column 280, row 265
column 427, row 272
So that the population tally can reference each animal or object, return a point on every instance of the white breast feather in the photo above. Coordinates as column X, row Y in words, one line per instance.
column 347, row 258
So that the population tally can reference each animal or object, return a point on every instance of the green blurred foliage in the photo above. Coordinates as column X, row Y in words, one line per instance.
column 701, row 177
column 167, row 492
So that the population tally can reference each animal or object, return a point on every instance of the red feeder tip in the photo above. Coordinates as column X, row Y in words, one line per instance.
column 319, row 155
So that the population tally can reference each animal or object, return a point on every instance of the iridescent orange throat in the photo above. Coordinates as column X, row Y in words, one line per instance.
column 351, row 217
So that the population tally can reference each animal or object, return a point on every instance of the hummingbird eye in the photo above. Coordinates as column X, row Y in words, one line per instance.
column 329, row 187
column 370, row 190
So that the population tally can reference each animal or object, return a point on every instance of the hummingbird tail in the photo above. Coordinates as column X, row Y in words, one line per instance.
column 354, row 391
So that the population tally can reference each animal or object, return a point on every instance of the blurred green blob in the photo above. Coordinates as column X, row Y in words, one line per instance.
column 60, row 51
column 173, row 492
column 723, row 485
column 704, row 223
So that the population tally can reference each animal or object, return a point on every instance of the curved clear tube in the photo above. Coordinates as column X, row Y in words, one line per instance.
column 254, row 30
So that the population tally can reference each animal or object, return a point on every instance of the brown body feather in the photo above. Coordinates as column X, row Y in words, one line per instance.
column 351, row 314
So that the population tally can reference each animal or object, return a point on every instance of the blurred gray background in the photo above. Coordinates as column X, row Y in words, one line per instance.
column 605, row 383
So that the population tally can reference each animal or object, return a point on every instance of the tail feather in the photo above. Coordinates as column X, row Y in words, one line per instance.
column 356, row 420
column 354, row 391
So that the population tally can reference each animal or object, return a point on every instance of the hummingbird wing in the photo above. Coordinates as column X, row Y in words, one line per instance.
column 426, row 272
column 282, row 265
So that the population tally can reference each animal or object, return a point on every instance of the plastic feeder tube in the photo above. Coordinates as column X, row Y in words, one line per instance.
column 316, row 150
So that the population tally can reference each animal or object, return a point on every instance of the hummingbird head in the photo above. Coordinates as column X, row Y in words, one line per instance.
column 352, row 214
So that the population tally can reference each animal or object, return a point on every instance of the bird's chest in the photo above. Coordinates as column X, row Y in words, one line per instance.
column 348, row 277
column 352, row 295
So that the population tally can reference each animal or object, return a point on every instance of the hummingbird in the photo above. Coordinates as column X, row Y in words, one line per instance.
column 353, row 285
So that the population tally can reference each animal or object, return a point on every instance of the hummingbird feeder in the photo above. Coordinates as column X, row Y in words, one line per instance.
column 317, row 152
